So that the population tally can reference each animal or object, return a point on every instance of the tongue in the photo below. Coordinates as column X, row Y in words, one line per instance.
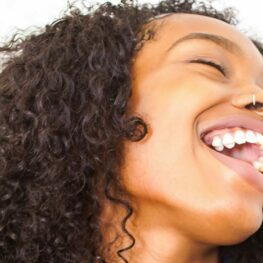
column 248, row 152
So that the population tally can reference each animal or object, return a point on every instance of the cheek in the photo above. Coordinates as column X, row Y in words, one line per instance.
column 159, row 176
column 163, row 166
column 170, row 169
column 162, row 169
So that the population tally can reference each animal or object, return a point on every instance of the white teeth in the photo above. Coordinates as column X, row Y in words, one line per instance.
column 228, row 141
column 251, row 137
column 220, row 148
column 239, row 137
column 259, row 138
column 217, row 143
column 258, row 165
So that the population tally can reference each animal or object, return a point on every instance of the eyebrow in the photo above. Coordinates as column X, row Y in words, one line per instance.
column 223, row 42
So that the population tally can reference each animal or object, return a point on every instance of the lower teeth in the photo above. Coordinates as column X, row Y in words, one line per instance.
column 258, row 165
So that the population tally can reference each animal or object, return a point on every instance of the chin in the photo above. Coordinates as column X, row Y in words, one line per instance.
column 234, row 229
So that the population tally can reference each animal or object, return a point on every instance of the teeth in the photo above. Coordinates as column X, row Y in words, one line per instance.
column 251, row 137
column 220, row 148
column 259, row 138
column 258, row 165
column 239, row 137
column 228, row 141
column 217, row 143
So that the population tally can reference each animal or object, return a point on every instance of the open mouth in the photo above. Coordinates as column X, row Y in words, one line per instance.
column 251, row 153
column 248, row 152
column 242, row 164
column 238, row 144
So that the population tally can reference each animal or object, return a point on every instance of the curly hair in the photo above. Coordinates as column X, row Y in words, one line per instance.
column 64, row 92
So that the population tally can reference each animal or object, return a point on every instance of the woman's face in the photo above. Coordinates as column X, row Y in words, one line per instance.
column 175, row 180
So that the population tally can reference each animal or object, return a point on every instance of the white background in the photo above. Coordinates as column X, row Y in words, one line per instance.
column 27, row 14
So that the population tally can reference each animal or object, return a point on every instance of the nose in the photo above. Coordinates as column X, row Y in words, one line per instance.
column 251, row 101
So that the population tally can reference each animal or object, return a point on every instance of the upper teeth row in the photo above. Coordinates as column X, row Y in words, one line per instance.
column 230, row 139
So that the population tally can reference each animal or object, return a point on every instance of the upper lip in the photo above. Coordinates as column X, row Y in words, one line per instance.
column 232, row 121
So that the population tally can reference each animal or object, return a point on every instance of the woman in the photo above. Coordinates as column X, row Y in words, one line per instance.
column 132, row 134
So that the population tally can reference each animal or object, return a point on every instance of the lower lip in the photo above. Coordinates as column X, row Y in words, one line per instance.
column 245, row 170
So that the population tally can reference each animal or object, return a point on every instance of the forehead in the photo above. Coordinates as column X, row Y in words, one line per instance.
column 175, row 26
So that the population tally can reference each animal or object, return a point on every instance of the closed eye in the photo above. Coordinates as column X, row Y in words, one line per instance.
column 210, row 63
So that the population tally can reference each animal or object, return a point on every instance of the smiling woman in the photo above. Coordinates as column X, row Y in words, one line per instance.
column 131, row 134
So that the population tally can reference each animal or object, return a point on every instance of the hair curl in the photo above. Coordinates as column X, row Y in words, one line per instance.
column 63, row 102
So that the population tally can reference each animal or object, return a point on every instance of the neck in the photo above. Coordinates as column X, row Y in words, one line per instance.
column 168, row 246
column 157, row 241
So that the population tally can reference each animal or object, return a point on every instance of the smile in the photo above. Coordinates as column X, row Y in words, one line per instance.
column 242, row 168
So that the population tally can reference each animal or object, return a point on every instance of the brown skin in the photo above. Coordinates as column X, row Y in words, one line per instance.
column 187, row 203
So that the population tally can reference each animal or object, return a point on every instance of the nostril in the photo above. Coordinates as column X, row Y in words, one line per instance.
column 257, row 106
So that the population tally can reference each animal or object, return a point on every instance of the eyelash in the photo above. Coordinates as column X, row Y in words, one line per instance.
column 211, row 63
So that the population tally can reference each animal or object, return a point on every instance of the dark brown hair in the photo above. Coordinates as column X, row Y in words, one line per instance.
column 64, row 92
